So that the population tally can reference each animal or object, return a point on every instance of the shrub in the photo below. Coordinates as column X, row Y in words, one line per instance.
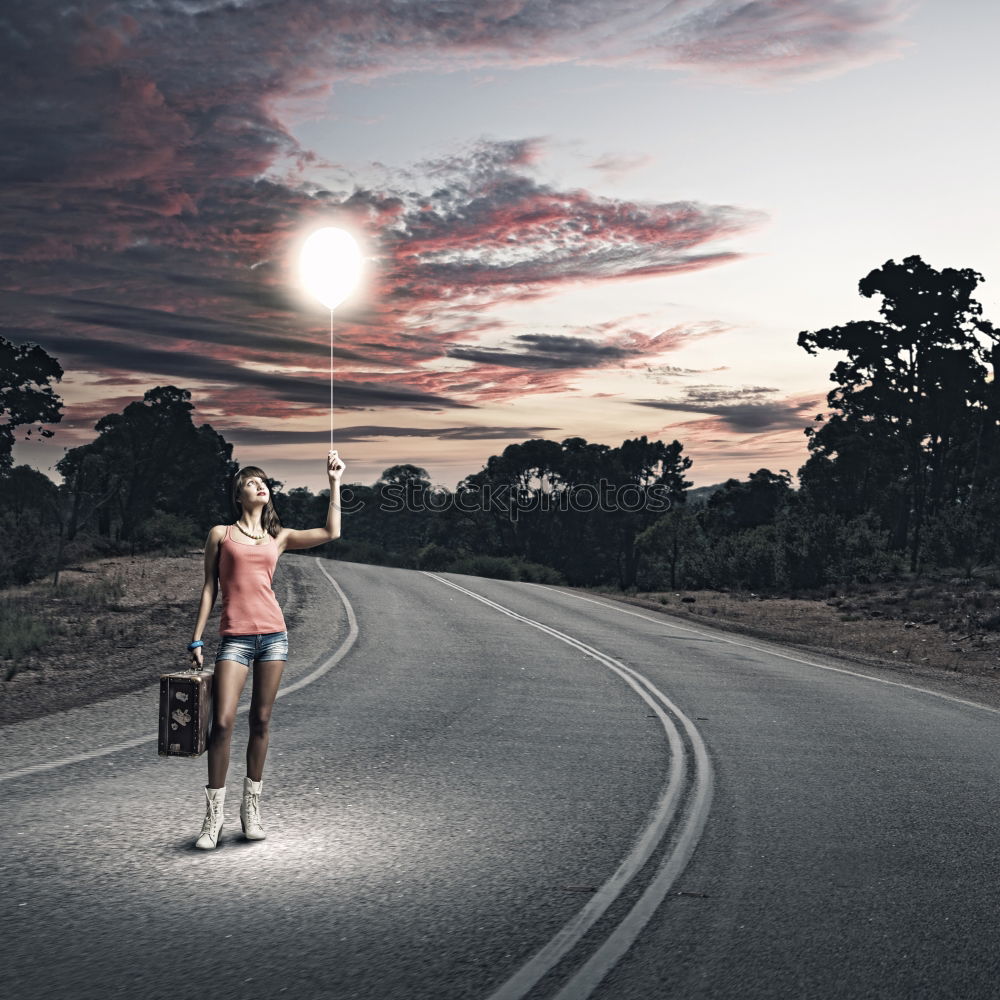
column 434, row 557
column 169, row 533
column 497, row 567
column 505, row 568
column 532, row 572
column 20, row 631
column 29, row 549
column 861, row 553
column 97, row 596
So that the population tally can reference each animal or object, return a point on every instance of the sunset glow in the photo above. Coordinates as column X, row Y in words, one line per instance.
column 570, row 219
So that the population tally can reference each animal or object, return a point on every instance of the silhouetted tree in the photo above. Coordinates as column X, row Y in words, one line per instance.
column 25, row 394
column 736, row 505
column 297, row 507
column 575, row 506
column 917, row 376
column 648, row 478
column 30, row 524
column 674, row 541
column 400, row 513
column 151, row 457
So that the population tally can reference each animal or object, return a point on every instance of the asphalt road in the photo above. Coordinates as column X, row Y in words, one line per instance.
column 481, row 789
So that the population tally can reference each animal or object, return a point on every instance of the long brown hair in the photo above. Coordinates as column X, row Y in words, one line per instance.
column 268, row 516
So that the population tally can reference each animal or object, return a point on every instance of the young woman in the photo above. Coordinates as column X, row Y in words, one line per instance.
column 241, row 557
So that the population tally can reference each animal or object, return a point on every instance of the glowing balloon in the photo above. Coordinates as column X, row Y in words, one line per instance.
column 330, row 265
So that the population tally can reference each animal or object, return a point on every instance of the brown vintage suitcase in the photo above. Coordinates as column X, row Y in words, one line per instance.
column 185, row 712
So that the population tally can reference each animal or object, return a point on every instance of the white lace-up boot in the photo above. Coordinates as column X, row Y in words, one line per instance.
column 212, row 826
column 250, row 809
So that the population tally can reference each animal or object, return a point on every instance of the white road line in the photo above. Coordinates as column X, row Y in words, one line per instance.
column 590, row 974
column 327, row 664
column 524, row 980
column 771, row 652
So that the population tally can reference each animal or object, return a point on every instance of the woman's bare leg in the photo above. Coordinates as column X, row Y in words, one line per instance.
column 266, row 678
column 230, row 679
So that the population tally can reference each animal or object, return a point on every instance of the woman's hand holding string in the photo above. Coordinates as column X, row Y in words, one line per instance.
column 334, row 468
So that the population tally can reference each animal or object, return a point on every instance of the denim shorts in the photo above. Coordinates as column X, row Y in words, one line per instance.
column 247, row 648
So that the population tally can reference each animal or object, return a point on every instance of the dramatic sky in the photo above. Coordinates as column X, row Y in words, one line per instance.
column 596, row 218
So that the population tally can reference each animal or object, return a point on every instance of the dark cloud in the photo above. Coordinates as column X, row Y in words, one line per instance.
column 782, row 39
column 137, row 118
column 545, row 351
column 232, row 382
column 256, row 436
column 489, row 235
column 667, row 374
column 149, row 185
column 183, row 329
column 621, row 347
column 550, row 362
column 744, row 410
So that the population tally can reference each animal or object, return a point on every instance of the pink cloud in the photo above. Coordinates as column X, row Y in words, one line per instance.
column 142, row 165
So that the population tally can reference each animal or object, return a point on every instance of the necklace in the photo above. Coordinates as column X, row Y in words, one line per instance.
column 247, row 533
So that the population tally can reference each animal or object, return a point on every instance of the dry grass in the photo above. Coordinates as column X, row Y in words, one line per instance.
column 113, row 626
column 946, row 625
column 110, row 627
column 32, row 618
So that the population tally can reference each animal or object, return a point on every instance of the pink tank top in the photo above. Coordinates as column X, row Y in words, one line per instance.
column 245, row 573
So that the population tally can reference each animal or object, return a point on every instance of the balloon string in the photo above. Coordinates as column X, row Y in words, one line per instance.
column 331, row 380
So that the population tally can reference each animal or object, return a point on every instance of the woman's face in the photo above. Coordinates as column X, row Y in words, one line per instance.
column 254, row 493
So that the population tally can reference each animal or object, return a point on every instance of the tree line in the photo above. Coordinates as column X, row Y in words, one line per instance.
column 903, row 474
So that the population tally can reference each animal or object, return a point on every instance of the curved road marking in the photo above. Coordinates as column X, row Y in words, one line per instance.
column 524, row 980
column 771, row 652
column 587, row 978
column 146, row 738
